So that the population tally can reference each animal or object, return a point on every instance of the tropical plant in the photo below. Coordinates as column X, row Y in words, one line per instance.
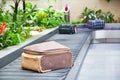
column 27, row 16
column 77, row 22
column 16, row 7
column 89, row 14
column 15, row 32
column 49, row 18
column 108, row 0
column 13, row 35
column 5, row 16
column 16, row 2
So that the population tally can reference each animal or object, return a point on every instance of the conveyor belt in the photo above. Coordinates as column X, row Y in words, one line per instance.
column 13, row 70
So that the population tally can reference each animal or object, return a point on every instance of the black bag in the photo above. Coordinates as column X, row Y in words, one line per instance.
column 96, row 24
column 67, row 29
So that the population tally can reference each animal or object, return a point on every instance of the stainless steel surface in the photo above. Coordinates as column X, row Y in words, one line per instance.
column 106, row 36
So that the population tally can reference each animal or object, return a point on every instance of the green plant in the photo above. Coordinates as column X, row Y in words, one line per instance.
column 49, row 0
column 89, row 14
column 77, row 22
column 27, row 16
column 55, row 18
column 16, row 2
column 5, row 16
column 41, row 18
column 108, row 0
column 15, row 32
column 49, row 18
column 31, row 10
column 14, row 35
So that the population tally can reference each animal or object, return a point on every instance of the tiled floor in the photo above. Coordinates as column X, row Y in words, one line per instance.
column 101, row 63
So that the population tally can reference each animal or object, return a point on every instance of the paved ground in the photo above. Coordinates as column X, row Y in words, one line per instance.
column 101, row 63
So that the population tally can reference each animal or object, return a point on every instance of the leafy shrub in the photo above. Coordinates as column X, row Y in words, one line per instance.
column 89, row 14
column 5, row 16
column 108, row 0
column 49, row 18
column 13, row 35
column 27, row 17
column 77, row 22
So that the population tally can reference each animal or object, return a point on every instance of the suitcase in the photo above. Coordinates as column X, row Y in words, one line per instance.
column 96, row 24
column 45, row 63
column 67, row 29
column 46, row 56
column 50, row 47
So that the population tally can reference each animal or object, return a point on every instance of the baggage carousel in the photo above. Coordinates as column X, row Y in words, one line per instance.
column 78, row 43
column 95, row 56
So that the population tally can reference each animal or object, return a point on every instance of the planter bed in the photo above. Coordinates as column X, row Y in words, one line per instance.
column 10, row 53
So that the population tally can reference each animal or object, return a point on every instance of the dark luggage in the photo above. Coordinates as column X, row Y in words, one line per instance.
column 96, row 24
column 46, row 56
column 67, row 29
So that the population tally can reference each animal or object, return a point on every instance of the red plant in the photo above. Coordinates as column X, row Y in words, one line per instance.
column 3, row 27
column 66, row 8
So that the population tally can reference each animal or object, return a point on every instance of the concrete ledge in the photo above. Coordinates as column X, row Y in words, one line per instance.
column 10, row 53
column 106, row 36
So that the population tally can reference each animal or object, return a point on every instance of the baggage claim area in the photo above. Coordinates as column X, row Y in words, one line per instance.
column 95, row 57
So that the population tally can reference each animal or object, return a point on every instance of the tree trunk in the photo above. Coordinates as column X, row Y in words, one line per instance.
column 24, row 5
column 15, row 12
column 16, row 9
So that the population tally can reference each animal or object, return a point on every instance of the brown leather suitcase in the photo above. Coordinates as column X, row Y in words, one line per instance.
column 50, row 47
column 46, row 56
column 45, row 63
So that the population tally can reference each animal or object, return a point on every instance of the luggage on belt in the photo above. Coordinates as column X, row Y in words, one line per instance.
column 67, row 29
column 46, row 56
column 96, row 24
